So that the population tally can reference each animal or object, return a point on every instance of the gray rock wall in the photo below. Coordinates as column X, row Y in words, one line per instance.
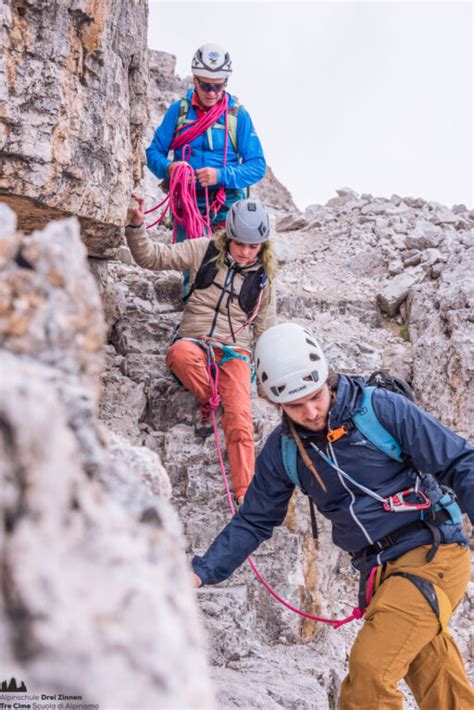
column 73, row 98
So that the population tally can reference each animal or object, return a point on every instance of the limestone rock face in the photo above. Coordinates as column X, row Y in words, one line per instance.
column 49, row 306
column 97, row 597
column 73, row 98
column 441, row 326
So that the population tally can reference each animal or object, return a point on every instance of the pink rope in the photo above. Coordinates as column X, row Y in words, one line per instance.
column 189, row 131
column 182, row 202
column 220, row 197
column 357, row 613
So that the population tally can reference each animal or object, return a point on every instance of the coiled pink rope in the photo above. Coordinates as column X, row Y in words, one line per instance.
column 181, row 198
column 213, row 403
column 182, row 202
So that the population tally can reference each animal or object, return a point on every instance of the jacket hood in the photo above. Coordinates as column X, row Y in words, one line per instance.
column 231, row 98
column 348, row 394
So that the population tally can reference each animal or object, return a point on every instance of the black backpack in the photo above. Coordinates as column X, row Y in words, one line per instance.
column 253, row 283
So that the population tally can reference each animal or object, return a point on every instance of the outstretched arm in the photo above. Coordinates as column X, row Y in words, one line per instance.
column 159, row 257
column 264, row 507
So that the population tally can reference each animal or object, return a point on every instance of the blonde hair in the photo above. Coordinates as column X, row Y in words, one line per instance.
column 266, row 253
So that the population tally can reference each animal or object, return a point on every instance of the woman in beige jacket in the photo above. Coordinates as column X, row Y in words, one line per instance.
column 231, row 296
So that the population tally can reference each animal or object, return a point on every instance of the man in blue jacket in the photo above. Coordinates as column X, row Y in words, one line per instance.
column 397, row 515
column 242, row 165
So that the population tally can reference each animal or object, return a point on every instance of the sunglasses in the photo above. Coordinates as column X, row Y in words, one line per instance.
column 207, row 87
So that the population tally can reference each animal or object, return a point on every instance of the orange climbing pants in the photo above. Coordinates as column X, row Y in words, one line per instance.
column 189, row 363
column 402, row 638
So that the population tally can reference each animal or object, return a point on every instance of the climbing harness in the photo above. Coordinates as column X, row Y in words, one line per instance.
column 213, row 403
column 436, row 597
column 250, row 295
column 181, row 199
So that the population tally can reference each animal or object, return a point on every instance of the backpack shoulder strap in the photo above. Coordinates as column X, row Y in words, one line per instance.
column 234, row 110
column 289, row 455
column 207, row 270
column 254, row 282
column 233, row 115
column 368, row 424
column 182, row 113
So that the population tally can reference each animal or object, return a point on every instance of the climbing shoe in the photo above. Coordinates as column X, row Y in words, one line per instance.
column 203, row 421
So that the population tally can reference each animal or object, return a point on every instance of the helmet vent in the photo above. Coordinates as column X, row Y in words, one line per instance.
column 311, row 342
column 264, row 377
column 314, row 357
column 278, row 390
column 315, row 375
column 251, row 207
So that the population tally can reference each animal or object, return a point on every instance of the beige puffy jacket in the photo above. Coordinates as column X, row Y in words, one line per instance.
column 205, row 313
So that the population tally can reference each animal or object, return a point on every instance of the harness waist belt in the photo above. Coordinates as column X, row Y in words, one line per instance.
column 439, row 517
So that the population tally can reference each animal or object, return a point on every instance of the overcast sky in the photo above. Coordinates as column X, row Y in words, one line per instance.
column 377, row 96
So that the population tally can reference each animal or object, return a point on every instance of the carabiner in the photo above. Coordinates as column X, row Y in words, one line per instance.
column 398, row 504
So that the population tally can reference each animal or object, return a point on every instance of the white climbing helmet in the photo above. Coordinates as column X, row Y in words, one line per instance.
column 247, row 222
column 211, row 61
column 290, row 363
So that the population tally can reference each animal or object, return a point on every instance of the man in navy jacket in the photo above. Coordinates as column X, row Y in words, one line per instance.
column 393, row 515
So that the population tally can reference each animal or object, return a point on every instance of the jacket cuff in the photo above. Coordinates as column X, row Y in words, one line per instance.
column 241, row 491
column 198, row 568
column 135, row 231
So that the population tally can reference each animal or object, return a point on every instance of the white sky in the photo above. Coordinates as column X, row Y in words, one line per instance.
column 377, row 96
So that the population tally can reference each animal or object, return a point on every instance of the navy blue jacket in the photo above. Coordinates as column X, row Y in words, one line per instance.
column 357, row 519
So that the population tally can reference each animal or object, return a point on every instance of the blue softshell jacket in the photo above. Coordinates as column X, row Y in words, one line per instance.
column 357, row 520
column 243, row 168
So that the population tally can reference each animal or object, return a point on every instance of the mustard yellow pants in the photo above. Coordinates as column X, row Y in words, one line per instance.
column 402, row 638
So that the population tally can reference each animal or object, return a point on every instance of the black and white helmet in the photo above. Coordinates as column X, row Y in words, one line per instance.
column 290, row 363
column 247, row 222
column 211, row 61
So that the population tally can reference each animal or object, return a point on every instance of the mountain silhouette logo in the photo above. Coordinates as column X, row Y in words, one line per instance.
column 12, row 687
